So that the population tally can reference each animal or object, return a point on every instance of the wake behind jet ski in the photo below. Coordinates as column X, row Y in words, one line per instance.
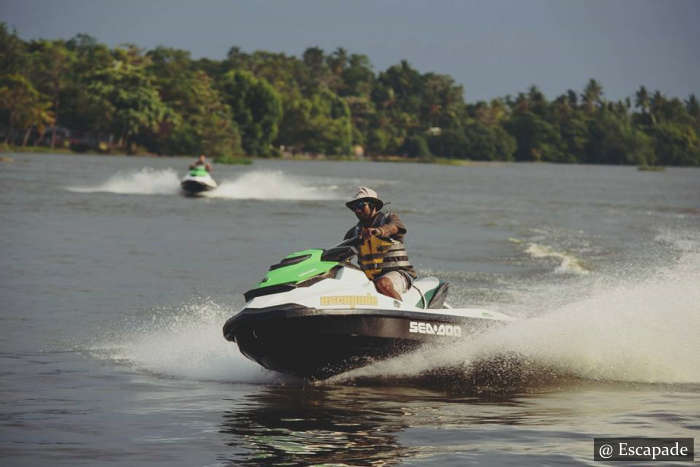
column 315, row 315
column 198, row 180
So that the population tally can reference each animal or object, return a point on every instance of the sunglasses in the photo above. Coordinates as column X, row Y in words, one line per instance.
column 360, row 205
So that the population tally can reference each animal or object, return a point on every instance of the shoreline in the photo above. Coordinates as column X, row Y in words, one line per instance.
column 245, row 160
column 5, row 151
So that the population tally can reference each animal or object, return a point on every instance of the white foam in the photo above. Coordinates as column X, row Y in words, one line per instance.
column 146, row 181
column 629, row 331
column 263, row 185
column 187, row 344
column 271, row 185
column 685, row 241
column 569, row 264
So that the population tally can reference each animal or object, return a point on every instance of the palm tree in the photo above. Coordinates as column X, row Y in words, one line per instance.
column 592, row 95
column 338, row 60
column 643, row 101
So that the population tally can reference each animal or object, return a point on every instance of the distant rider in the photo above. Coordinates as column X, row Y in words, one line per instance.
column 202, row 160
column 379, row 241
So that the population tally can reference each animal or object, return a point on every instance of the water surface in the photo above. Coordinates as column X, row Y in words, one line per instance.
column 114, row 289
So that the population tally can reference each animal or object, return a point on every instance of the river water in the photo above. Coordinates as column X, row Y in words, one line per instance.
column 114, row 289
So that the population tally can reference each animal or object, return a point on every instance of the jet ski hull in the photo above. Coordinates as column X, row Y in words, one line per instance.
column 193, row 186
column 318, row 343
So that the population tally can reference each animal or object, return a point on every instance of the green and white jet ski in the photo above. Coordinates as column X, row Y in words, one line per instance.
column 197, row 181
column 315, row 315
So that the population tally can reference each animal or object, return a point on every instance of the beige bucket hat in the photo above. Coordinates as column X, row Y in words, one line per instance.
column 366, row 194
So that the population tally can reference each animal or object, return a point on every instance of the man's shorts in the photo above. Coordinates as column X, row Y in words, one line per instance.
column 400, row 282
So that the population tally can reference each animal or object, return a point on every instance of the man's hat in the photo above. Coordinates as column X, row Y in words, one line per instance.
column 366, row 194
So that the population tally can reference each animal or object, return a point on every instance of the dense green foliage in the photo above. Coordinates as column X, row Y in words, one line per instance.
column 268, row 104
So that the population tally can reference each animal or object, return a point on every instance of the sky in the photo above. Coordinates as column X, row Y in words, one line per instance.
column 491, row 47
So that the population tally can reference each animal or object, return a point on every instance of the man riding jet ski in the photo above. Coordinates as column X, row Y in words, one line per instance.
column 315, row 314
column 379, row 241
column 199, row 178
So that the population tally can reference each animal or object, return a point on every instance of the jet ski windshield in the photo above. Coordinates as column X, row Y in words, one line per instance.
column 298, row 267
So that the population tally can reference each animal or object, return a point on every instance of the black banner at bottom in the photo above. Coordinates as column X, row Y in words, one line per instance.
column 644, row 449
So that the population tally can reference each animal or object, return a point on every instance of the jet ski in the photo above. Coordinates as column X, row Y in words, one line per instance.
column 315, row 314
column 197, row 181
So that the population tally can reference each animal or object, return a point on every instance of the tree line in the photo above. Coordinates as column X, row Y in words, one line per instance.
column 263, row 104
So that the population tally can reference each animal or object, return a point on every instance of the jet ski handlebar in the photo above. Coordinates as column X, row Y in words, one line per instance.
column 342, row 252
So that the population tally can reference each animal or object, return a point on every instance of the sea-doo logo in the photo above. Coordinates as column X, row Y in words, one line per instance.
column 351, row 300
column 420, row 327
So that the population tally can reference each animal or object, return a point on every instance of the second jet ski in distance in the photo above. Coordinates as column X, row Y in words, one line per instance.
column 315, row 315
column 198, row 180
